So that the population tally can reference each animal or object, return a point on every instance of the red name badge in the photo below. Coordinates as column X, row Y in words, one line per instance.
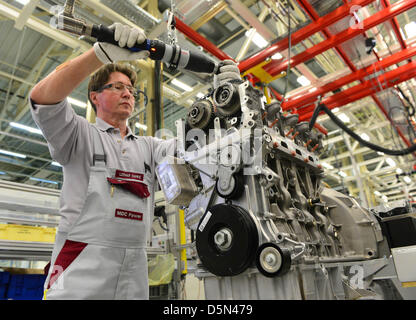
column 125, row 214
column 129, row 175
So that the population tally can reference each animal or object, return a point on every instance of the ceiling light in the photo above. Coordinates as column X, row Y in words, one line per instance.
column 277, row 56
column 2, row 173
column 335, row 110
column 314, row 89
column 342, row 173
column 385, row 199
column 410, row 29
column 141, row 126
column 200, row 95
column 380, row 153
column 407, row 179
column 391, row 162
column 327, row 165
column 13, row 154
column 76, row 102
column 43, row 180
column 377, row 193
column 23, row 127
column 365, row 137
column 343, row 117
column 24, row 2
column 257, row 39
column 399, row 171
column 304, row 81
column 181, row 85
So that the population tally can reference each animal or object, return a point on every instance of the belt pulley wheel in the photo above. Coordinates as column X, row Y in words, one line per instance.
column 226, row 100
column 273, row 261
column 235, row 188
column 226, row 240
column 200, row 115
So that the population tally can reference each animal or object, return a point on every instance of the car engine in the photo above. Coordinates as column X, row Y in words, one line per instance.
column 250, row 181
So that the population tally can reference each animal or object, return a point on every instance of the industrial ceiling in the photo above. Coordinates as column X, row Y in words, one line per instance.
column 330, row 57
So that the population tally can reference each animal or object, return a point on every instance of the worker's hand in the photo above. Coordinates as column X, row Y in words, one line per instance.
column 126, row 37
column 228, row 72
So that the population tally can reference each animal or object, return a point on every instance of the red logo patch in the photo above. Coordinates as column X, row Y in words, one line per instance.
column 125, row 214
column 129, row 175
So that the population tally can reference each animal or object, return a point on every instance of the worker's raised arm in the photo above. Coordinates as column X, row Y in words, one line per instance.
column 66, row 77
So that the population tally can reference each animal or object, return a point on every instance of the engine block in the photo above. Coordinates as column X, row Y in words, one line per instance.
column 266, row 226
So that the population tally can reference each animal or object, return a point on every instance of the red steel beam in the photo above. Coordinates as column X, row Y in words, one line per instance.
column 302, row 34
column 369, row 87
column 395, row 25
column 312, row 13
column 200, row 40
column 303, row 99
column 397, row 8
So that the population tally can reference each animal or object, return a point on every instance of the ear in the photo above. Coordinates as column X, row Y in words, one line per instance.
column 93, row 97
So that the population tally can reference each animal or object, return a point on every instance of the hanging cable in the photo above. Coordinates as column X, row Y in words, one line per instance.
column 321, row 107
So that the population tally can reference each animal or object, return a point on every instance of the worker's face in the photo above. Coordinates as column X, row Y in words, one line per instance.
column 114, row 103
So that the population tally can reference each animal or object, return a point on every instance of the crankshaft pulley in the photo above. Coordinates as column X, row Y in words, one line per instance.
column 226, row 240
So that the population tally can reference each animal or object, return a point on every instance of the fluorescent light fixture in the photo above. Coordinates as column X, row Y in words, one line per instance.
column 54, row 163
column 24, row 2
column 43, row 180
column 343, row 117
column 200, row 95
column 399, row 171
column 181, row 85
column 335, row 110
column 327, row 165
column 342, row 173
column 380, row 153
column 257, row 39
column 13, row 154
column 141, row 126
column 391, row 162
column 410, row 29
column 365, row 137
column 377, row 193
column 407, row 179
column 23, row 127
column 76, row 102
column 304, row 81
column 277, row 56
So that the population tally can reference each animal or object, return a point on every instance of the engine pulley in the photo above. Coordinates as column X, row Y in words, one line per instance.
column 226, row 100
column 226, row 240
column 272, row 261
column 200, row 114
column 233, row 190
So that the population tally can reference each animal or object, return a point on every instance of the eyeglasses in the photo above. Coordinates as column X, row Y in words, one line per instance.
column 119, row 86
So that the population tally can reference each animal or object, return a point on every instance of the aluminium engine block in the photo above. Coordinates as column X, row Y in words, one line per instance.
column 265, row 225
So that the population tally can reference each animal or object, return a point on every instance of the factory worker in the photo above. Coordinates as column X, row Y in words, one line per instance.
column 106, row 203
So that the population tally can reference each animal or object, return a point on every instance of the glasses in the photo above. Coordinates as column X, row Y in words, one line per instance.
column 119, row 86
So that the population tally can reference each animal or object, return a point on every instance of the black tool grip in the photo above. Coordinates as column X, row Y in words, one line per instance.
column 195, row 61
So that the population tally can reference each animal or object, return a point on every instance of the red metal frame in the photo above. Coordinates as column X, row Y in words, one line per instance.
column 397, row 8
column 200, row 40
column 302, row 99
column 372, row 86
column 395, row 25
column 302, row 34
